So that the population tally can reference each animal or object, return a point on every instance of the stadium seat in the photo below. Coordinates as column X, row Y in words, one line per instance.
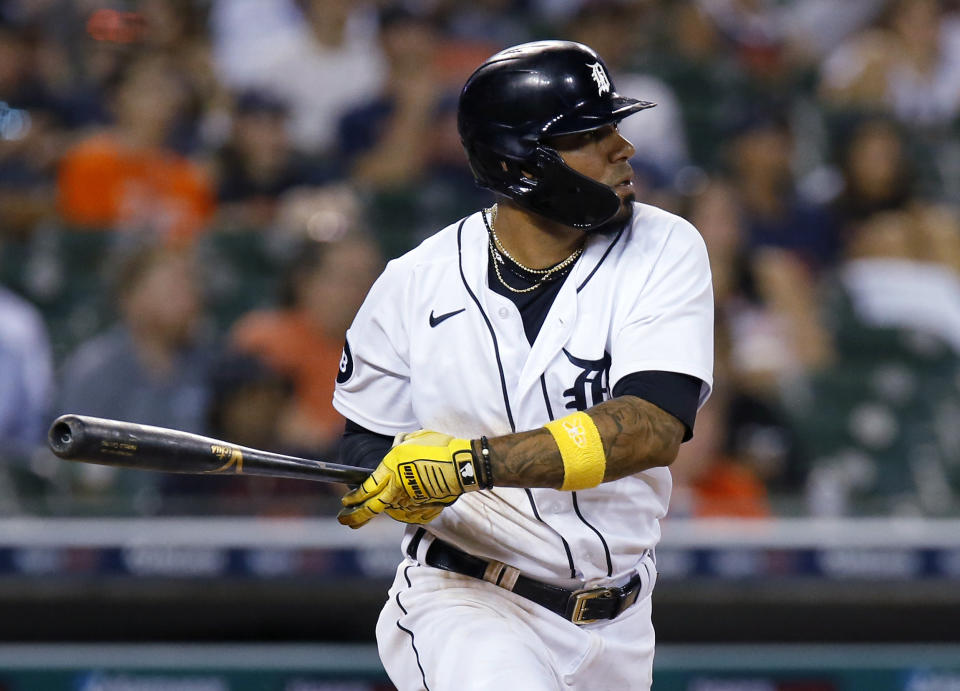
column 877, row 420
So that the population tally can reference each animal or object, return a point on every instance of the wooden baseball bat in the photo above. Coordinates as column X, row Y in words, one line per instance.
column 143, row 447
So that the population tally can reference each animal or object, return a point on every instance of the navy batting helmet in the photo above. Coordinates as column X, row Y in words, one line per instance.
column 517, row 99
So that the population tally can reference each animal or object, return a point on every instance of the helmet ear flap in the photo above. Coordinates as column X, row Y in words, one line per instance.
column 544, row 184
column 561, row 193
column 499, row 172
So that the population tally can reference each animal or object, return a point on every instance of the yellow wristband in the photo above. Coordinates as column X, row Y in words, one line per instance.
column 581, row 450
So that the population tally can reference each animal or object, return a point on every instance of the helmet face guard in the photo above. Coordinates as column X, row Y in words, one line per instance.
column 524, row 95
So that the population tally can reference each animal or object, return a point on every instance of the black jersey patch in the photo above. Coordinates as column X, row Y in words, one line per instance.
column 346, row 364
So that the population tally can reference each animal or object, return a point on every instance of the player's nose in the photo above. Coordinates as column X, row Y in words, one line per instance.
column 620, row 147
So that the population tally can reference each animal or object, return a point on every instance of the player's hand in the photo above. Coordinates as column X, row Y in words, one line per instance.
column 425, row 469
column 416, row 514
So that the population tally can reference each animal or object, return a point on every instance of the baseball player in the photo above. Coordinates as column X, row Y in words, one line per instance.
column 520, row 382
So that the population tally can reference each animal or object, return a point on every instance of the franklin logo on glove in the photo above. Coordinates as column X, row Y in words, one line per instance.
column 412, row 482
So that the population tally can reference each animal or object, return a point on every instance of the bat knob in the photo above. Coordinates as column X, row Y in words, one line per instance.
column 62, row 436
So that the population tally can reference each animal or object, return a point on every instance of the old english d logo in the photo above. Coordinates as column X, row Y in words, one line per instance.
column 591, row 383
column 600, row 77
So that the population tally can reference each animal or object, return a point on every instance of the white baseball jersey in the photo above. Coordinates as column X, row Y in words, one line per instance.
column 433, row 347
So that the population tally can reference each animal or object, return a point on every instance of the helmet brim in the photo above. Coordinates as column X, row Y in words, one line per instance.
column 583, row 120
column 624, row 106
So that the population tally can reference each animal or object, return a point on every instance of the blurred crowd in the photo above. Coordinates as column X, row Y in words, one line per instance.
column 195, row 196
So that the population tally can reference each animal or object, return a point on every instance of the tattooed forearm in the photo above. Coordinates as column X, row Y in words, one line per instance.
column 636, row 436
column 526, row 459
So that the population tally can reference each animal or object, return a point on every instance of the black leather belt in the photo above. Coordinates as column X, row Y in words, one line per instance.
column 578, row 606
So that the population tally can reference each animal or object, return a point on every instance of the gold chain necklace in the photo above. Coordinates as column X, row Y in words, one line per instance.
column 497, row 259
column 498, row 251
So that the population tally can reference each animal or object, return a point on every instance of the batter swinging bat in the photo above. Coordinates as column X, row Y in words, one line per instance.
column 124, row 444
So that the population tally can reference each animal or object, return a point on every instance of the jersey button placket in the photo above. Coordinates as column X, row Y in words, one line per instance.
column 503, row 312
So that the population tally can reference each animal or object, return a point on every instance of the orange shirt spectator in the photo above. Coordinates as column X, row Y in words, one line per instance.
column 730, row 490
column 304, row 341
column 708, row 483
column 292, row 345
column 104, row 184
column 127, row 176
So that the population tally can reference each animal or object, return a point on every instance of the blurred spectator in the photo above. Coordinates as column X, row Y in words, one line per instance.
column 402, row 147
column 772, row 39
column 383, row 140
column 303, row 340
column 691, row 56
column 874, row 171
column 258, row 164
column 26, row 376
column 659, row 136
column 170, row 26
column 710, row 481
column 812, row 28
column 902, row 252
column 499, row 22
column 320, row 57
column 125, row 177
column 760, row 149
column 877, row 176
column 152, row 366
column 248, row 403
column 780, row 243
column 37, row 73
column 178, row 30
column 756, row 355
column 318, row 214
column 902, row 271
column 876, row 424
column 909, row 64
column 879, row 425
column 33, row 120
column 30, row 144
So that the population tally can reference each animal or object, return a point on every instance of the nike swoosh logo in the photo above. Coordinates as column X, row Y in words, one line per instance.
column 436, row 320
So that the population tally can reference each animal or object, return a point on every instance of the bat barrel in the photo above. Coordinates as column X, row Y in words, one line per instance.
column 129, row 445
column 111, row 442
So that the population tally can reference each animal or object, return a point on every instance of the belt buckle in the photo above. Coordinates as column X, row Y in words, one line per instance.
column 581, row 598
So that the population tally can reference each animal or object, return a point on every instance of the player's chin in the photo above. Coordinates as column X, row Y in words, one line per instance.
column 623, row 215
column 627, row 196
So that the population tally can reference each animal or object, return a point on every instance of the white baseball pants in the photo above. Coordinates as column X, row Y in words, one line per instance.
column 442, row 631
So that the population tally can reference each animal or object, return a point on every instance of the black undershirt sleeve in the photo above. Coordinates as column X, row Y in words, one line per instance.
column 362, row 448
column 675, row 393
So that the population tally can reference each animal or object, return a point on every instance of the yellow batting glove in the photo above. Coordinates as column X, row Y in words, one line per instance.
column 426, row 469
column 417, row 514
